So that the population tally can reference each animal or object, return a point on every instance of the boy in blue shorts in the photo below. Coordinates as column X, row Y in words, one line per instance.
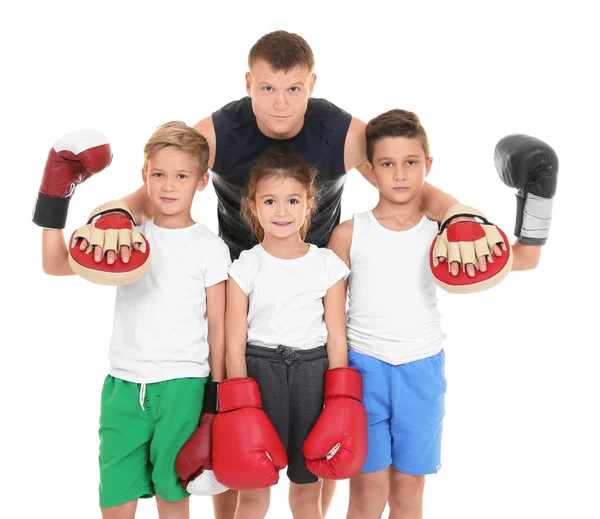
column 393, row 325
column 168, row 332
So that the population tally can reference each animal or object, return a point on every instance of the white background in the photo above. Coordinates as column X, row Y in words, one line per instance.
column 521, row 433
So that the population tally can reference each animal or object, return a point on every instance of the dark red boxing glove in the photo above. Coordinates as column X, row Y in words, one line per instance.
column 194, row 460
column 73, row 159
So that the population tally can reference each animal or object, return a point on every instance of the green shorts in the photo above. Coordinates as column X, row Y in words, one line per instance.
column 142, row 428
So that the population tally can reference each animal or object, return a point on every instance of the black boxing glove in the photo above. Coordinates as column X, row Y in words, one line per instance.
column 531, row 166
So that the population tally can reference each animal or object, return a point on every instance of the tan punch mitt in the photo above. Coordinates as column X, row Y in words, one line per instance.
column 110, row 226
column 466, row 242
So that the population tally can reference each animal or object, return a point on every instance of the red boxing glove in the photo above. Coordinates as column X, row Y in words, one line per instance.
column 194, row 460
column 72, row 160
column 247, row 452
column 336, row 447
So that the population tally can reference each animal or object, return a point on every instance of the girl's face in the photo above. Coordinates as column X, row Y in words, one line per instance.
column 281, row 205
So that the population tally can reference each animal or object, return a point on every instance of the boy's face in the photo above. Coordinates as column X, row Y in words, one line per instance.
column 399, row 168
column 279, row 99
column 172, row 178
column 281, row 205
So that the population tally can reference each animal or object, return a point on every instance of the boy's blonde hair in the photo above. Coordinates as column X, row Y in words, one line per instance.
column 182, row 137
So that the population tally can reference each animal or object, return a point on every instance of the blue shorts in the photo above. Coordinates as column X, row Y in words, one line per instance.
column 405, row 410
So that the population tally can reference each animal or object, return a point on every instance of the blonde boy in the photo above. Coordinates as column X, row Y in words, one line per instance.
column 159, row 352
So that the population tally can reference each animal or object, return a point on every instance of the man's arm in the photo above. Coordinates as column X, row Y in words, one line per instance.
column 139, row 205
column 206, row 128
column 355, row 149
column 55, row 255
column 435, row 202
column 215, row 317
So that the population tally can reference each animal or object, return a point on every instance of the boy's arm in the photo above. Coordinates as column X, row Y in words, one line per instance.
column 215, row 316
column 339, row 242
column 236, row 330
column 55, row 255
column 525, row 257
column 334, row 304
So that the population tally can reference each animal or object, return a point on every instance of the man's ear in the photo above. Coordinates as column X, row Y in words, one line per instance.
column 313, row 80
column 202, row 181
column 248, row 82
column 144, row 176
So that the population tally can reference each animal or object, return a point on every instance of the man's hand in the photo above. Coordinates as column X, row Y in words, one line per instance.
column 110, row 228
column 469, row 243
column 482, row 261
column 124, row 252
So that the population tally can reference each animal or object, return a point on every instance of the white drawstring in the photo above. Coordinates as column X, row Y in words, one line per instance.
column 142, row 395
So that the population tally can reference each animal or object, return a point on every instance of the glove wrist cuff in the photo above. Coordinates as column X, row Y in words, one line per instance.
column 459, row 210
column 115, row 206
column 534, row 215
column 346, row 382
column 236, row 393
column 209, row 404
column 51, row 212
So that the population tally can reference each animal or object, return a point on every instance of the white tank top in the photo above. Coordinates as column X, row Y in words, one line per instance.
column 392, row 313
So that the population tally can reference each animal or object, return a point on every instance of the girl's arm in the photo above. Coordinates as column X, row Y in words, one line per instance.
column 236, row 330
column 335, row 320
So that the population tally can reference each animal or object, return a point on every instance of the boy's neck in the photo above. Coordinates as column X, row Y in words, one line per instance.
column 291, row 247
column 173, row 221
column 398, row 217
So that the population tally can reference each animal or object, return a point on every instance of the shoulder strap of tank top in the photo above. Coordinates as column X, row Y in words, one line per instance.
column 359, row 231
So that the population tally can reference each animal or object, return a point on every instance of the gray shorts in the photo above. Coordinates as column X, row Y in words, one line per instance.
column 291, row 386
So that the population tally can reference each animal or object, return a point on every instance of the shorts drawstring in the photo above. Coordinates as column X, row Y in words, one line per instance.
column 142, row 395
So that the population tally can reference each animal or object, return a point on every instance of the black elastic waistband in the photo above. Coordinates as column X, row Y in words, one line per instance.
column 285, row 353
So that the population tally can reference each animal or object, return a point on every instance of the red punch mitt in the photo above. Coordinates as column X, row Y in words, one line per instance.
column 466, row 242
column 110, row 226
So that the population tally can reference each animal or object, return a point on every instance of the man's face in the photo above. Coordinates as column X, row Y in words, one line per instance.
column 279, row 99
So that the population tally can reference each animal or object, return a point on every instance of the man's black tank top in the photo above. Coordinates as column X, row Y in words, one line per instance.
column 240, row 143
